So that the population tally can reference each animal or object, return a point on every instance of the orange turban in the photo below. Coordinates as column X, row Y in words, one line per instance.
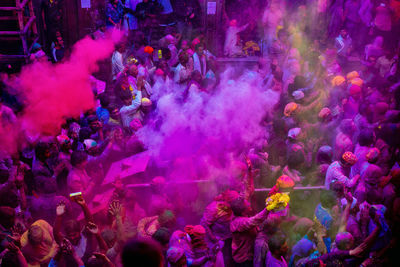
column 351, row 75
column 148, row 50
column 357, row 81
column 338, row 80
column 289, row 109
column 349, row 157
column 285, row 182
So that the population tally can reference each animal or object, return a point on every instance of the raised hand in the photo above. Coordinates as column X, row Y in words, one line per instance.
column 60, row 209
column 115, row 208
column 80, row 200
column 12, row 247
column 92, row 228
column 66, row 247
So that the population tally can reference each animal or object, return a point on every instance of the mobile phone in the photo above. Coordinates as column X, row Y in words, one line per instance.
column 75, row 195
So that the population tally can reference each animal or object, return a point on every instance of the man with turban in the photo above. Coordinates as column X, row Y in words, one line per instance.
column 340, row 170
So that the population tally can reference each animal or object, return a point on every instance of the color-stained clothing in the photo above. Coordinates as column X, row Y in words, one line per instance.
column 244, row 232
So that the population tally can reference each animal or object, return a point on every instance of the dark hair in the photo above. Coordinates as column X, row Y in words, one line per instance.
column 7, row 216
column 199, row 45
column 366, row 137
column 276, row 241
column 104, row 100
column 141, row 253
column 167, row 219
column 238, row 206
column 84, row 133
column 78, row 157
column 72, row 226
column 10, row 259
column 92, row 118
column 162, row 236
column 327, row 198
column 95, row 262
column 9, row 198
column 295, row 159
column 41, row 149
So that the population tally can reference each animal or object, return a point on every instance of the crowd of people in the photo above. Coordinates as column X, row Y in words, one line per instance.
column 335, row 69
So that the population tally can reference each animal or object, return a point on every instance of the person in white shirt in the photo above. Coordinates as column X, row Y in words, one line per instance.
column 131, row 107
column 200, row 60
column 117, row 62
column 183, row 70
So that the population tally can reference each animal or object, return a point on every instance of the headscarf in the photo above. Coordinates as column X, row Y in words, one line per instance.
column 294, row 133
column 297, row 95
column 290, row 108
column 349, row 157
column 354, row 89
column 324, row 113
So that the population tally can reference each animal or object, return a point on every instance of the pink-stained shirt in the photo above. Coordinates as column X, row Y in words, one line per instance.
column 244, row 232
column 337, row 173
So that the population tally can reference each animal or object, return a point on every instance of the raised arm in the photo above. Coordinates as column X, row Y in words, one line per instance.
column 60, row 211
column 86, row 211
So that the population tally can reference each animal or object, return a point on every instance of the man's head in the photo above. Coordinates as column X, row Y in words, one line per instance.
column 7, row 217
column 35, row 235
column 238, row 207
column 183, row 58
column 42, row 151
column 366, row 137
column 200, row 49
column 127, row 99
column 344, row 241
column 114, row 112
column 344, row 33
column 73, row 231
column 94, row 123
column 79, row 159
column 185, row 45
column 133, row 70
column 278, row 245
column 328, row 199
column 283, row 35
column 104, row 100
column 167, row 219
column 339, row 189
